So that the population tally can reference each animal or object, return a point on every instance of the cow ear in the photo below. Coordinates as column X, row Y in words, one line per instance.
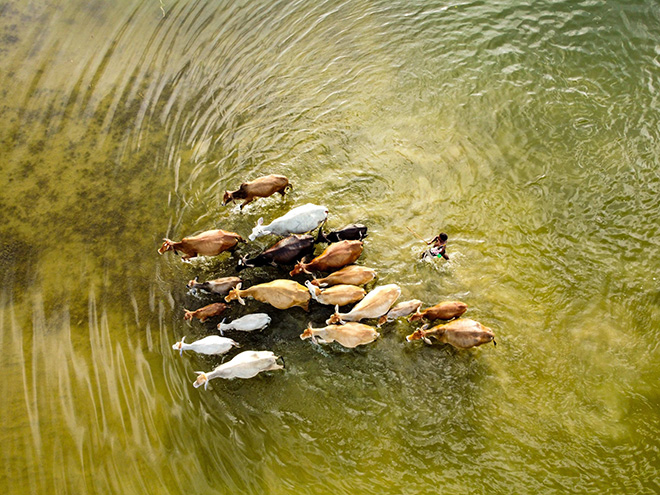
column 260, row 221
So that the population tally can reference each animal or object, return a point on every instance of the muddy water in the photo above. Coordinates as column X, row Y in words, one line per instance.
column 527, row 132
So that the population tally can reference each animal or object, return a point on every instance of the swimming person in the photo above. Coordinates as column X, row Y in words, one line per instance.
column 438, row 248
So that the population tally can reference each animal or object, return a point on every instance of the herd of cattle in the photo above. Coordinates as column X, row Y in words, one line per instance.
column 341, row 287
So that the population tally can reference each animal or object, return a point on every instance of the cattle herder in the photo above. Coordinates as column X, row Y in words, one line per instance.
column 438, row 246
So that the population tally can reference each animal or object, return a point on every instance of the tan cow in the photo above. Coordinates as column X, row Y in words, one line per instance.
column 281, row 293
column 401, row 309
column 350, row 275
column 350, row 335
column 337, row 295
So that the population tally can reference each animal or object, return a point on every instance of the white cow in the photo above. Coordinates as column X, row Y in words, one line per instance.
column 245, row 365
column 298, row 221
column 213, row 344
column 247, row 323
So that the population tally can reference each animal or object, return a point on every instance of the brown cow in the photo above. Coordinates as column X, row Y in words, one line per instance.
column 209, row 243
column 220, row 286
column 258, row 188
column 444, row 311
column 335, row 256
column 206, row 312
column 462, row 334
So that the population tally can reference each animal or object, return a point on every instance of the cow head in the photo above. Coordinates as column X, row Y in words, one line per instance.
column 227, row 198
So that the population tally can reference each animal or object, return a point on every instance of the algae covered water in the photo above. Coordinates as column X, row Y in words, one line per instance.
column 527, row 131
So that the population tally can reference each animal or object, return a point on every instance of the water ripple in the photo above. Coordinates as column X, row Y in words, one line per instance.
column 527, row 131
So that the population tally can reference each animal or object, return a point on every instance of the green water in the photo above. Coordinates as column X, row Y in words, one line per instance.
column 528, row 131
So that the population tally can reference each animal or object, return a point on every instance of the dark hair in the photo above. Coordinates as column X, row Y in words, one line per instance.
column 444, row 237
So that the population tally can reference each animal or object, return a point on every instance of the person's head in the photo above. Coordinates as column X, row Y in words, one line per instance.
column 443, row 237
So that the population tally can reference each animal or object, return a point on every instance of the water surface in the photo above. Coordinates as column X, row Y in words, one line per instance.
column 528, row 131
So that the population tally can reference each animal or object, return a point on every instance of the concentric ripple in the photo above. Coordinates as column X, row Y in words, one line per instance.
column 528, row 131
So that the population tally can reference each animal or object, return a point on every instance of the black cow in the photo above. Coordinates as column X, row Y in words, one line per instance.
column 285, row 252
column 352, row 232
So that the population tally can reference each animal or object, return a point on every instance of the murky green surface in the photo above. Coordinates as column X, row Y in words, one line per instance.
column 528, row 131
